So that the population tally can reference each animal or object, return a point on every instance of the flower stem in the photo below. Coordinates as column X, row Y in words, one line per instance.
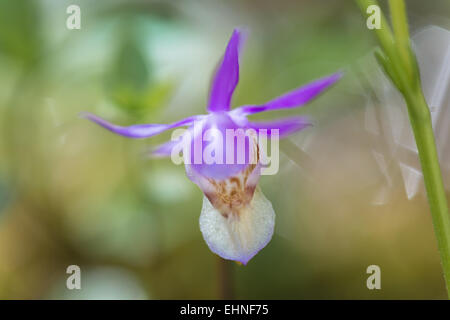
column 225, row 277
column 423, row 132
column 398, row 61
column 401, row 32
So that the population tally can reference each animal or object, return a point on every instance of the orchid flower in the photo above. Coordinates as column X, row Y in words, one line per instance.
column 236, row 219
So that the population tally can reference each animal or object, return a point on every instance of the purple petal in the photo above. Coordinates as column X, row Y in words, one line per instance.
column 285, row 126
column 294, row 98
column 229, row 149
column 165, row 149
column 227, row 75
column 139, row 130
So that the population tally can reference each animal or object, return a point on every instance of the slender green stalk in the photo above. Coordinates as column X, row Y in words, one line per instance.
column 384, row 33
column 401, row 31
column 225, row 277
column 398, row 61
column 423, row 132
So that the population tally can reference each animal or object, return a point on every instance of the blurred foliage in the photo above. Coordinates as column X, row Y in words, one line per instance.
column 20, row 27
column 71, row 193
column 130, row 81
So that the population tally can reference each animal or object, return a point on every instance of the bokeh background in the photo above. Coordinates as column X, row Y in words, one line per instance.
column 73, row 193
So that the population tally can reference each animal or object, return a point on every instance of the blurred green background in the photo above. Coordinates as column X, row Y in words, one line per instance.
column 72, row 193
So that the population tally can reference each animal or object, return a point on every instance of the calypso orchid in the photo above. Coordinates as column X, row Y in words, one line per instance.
column 236, row 219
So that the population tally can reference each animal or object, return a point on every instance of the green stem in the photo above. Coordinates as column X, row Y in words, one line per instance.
column 423, row 132
column 401, row 32
column 387, row 42
column 399, row 63
column 225, row 275
column 384, row 34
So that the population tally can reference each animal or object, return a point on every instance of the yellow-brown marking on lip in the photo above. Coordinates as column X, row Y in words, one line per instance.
column 230, row 195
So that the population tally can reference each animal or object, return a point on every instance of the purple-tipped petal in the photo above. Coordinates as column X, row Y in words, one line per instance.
column 227, row 76
column 285, row 126
column 220, row 147
column 295, row 98
column 165, row 149
column 139, row 130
